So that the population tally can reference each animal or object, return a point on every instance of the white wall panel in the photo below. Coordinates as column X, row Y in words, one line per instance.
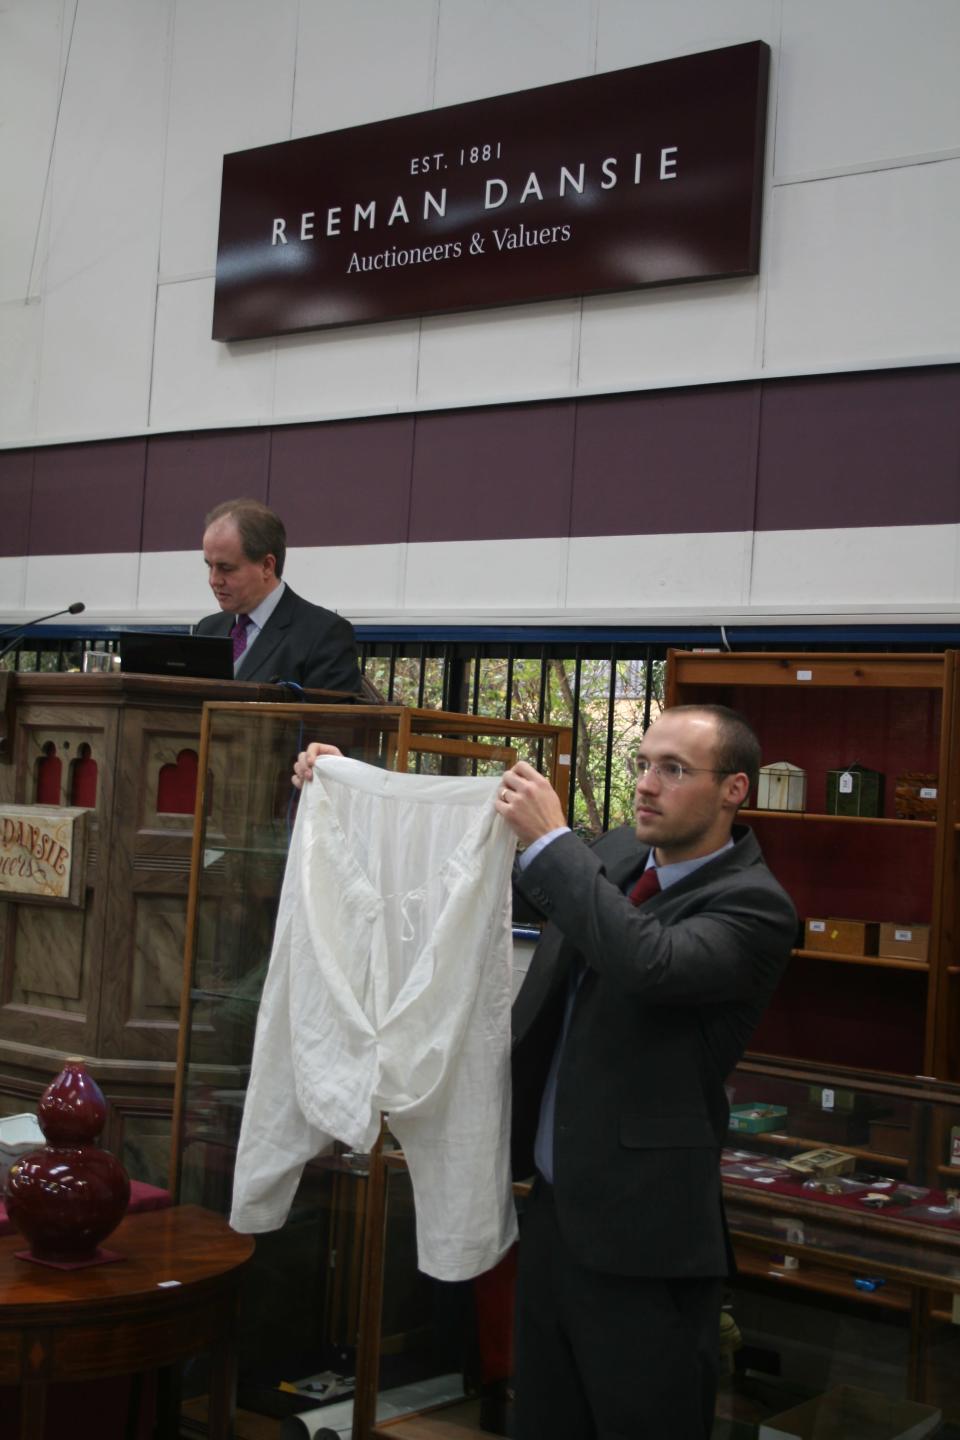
column 858, row 270
column 490, row 576
column 19, row 364
column 30, row 33
column 355, row 580
column 863, row 268
column 672, row 333
column 13, row 583
column 231, row 88
column 645, row 574
column 883, row 567
column 172, row 585
column 499, row 46
column 107, row 584
column 197, row 381
column 864, row 80
column 363, row 62
column 357, row 369
column 102, row 263
column 491, row 355
column 632, row 33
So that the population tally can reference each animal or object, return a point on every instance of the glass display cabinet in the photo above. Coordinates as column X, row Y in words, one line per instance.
column 317, row 1288
column 843, row 1200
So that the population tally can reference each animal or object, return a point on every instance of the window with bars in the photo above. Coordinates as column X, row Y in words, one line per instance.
column 606, row 696
column 607, row 693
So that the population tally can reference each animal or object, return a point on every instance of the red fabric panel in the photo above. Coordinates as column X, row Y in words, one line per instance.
column 83, row 780
column 49, row 770
column 493, row 1294
column 177, row 785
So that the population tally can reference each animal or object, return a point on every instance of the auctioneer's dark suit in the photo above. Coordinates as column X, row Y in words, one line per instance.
column 300, row 642
column 670, row 995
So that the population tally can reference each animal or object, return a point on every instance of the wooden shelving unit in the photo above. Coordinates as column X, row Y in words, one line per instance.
column 892, row 713
column 887, row 1029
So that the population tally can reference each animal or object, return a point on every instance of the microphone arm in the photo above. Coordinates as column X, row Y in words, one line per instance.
column 76, row 608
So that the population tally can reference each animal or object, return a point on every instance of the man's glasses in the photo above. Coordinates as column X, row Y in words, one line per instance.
column 670, row 772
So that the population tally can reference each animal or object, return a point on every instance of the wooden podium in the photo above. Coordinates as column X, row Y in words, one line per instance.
column 104, row 980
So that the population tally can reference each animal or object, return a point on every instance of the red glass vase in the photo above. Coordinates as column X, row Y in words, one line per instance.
column 70, row 1195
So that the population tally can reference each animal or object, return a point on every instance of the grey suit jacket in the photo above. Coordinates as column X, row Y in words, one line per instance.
column 670, row 996
column 300, row 642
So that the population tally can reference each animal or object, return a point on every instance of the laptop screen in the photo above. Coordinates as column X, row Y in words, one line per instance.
column 205, row 657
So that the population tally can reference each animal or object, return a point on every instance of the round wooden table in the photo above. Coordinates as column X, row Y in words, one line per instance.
column 127, row 1317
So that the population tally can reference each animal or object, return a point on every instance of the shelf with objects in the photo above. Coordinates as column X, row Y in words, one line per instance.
column 843, row 1109
column 324, row 1264
column 872, row 734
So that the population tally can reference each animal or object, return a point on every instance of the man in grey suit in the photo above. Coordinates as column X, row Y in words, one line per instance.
column 276, row 635
column 631, row 1017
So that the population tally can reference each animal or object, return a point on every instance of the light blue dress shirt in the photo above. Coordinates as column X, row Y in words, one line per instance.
column 258, row 617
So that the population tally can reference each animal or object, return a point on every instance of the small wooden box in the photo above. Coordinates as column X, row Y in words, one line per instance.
column 781, row 786
column 841, row 937
column 822, row 1162
column 904, row 942
column 915, row 796
column 855, row 791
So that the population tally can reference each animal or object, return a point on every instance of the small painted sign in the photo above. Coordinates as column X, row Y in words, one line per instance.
column 43, row 852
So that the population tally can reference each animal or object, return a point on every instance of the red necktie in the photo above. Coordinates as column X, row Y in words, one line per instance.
column 238, row 634
column 647, row 885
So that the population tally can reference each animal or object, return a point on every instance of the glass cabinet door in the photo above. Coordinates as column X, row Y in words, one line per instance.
column 301, row 1309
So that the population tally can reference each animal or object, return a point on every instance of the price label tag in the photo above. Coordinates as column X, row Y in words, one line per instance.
column 827, row 1098
column 928, row 792
column 903, row 935
column 817, row 927
column 804, row 674
column 846, row 783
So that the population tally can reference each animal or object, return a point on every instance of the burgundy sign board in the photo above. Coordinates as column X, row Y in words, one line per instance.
column 638, row 177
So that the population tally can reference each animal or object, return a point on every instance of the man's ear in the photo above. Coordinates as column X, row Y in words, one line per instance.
column 736, row 789
column 270, row 564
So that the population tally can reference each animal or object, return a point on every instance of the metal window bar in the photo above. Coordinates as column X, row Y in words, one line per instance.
column 575, row 740
column 608, row 753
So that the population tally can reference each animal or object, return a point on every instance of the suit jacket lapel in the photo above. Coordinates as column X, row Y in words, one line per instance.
column 622, row 859
column 222, row 625
column 268, row 641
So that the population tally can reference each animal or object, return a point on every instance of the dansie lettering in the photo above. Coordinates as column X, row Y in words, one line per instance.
column 17, row 834
column 430, row 206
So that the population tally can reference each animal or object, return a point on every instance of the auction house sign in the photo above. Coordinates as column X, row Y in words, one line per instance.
column 639, row 177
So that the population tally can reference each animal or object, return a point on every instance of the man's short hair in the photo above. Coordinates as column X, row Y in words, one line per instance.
column 261, row 529
column 737, row 745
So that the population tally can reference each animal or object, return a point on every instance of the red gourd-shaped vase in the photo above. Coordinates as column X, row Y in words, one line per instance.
column 70, row 1195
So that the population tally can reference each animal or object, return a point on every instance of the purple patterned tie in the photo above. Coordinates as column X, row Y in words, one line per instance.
column 238, row 634
column 647, row 885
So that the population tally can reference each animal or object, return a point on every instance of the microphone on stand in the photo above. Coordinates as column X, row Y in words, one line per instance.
column 17, row 630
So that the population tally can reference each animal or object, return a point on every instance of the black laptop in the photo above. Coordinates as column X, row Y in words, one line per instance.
column 205, row 657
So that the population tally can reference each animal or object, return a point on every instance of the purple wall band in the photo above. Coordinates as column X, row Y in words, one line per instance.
column 878, row 448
